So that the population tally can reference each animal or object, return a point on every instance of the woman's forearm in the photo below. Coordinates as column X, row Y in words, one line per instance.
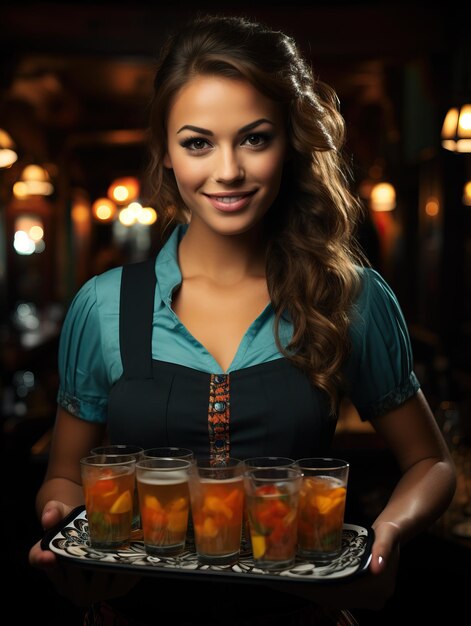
column 421, row 496
column 61, row 489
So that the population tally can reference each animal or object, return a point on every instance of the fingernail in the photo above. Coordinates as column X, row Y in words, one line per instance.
column 381, row 561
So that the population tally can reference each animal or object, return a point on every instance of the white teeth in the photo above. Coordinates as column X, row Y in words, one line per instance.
column 228, row 199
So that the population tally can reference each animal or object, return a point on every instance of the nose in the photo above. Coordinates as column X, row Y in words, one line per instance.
column 229, row 168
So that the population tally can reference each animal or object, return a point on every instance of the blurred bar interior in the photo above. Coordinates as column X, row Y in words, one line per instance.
column 75, row 86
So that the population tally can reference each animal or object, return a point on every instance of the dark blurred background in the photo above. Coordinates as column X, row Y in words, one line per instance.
column 75, row 87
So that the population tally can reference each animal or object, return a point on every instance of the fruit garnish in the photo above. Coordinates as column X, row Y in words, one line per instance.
column 122, row 504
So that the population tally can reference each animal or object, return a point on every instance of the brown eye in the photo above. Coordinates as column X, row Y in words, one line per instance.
column 254, row 140
column 257, row 140
column 195, row 144
column 198, row 144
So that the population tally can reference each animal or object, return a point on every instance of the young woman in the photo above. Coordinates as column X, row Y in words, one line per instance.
column 258, row 292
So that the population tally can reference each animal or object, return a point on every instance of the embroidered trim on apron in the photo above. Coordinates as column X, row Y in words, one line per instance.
column 218, row 418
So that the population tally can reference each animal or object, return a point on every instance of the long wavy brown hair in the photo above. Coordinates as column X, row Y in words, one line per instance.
column 312, row 252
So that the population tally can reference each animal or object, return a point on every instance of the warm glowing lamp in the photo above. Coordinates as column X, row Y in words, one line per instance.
column 104, row 209
column 467, row 193
column 383, row 197
column 456, row 129
column 124, row 190
column 7, row 150
column 136, row 213
column 34, row 181
column 147, row 216
column 432, row 206
column 29, row 235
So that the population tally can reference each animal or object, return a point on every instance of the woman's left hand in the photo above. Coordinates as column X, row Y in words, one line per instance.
column 370, row 591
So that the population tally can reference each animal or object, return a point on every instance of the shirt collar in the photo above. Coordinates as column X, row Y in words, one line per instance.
column 167, row 269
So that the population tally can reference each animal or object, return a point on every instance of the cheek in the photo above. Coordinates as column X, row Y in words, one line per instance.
column 188, row 172
column 270, row 170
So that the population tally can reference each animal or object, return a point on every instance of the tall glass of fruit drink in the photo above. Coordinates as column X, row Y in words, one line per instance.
column 217, row 504
column 322, row 508
column 137, row 453
column 108, row 486
column 272, row 506
column 164, row 502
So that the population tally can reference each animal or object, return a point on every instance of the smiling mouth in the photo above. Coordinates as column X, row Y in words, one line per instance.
column 230, row 201
column 229, row 198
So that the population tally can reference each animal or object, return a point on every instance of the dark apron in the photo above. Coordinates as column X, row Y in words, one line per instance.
column 269, row 409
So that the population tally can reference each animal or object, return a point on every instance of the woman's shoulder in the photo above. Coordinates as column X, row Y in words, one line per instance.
column 100, row 290
column 375, row 304
column 374, row 289
column 111, row 279
column 369, row 277
column 108, row 289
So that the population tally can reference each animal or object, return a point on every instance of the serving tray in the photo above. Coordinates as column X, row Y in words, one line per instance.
column 70, row 541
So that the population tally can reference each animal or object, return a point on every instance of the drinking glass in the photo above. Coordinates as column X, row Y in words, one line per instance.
column 164, row 504
column 270, row 461
column 272, row 495
column 322, row 508
column 108, row 485
column 136, row 452
column 217, row 504
column 260, row 462
column 174, row 452
column 170, row 452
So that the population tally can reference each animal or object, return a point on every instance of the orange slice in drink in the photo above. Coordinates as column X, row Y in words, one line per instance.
column 213, row 504
column 122, row 504
column 259, row 546
column 152, row 503
column 177, row 521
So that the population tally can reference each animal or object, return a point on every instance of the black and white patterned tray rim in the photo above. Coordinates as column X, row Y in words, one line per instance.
column 71, row 542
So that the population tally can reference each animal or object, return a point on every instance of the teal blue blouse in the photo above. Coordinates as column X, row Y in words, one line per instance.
column 379, row 371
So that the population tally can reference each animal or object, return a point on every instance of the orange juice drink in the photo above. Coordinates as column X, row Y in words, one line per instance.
column 217, row 503
column 322, row 510
column 272, row 505
column 136, row 452
column 164, row 504
column 108, row 486
column 260, row 462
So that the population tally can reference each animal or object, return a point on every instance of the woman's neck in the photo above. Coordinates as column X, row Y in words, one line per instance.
column 225, row 259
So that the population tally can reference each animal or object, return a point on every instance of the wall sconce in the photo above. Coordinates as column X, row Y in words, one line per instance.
column 124, row 190
column 8, row 155
column 456, row 129
column 383, row 197
column 34, row 181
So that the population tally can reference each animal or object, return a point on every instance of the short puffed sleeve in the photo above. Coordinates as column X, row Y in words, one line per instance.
column 83, row 380
column 379, row 372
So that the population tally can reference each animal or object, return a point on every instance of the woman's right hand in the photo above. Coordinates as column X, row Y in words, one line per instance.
column 81, row 586
column 53, row 512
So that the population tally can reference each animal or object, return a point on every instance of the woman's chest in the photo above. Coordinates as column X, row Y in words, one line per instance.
column 219, row 318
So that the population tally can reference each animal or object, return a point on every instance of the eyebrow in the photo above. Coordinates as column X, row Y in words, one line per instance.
column 209, row 133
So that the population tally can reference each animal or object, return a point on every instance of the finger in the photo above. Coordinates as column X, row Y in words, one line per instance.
column 386, row 543
column 53, row 512
column 41, row 558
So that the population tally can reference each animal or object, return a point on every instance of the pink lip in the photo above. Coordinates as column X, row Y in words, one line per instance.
column 240, row 200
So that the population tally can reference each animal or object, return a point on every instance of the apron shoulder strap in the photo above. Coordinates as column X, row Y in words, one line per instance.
column 136, row 312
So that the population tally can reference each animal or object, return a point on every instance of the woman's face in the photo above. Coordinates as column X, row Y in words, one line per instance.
column 226, row 146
